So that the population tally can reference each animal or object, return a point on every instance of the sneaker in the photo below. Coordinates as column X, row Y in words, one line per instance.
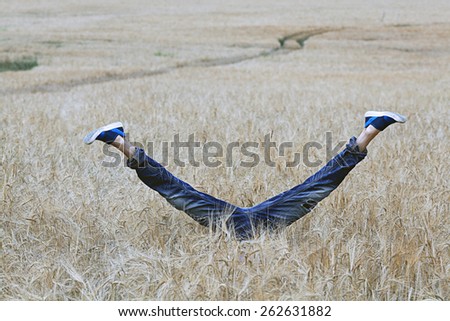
column 106, row 133
column 382, row 119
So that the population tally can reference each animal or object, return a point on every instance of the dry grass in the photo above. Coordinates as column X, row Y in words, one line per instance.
column 72, row 229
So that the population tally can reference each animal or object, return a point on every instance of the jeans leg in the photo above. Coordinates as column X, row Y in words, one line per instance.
column 287, row 207
column 203, row 208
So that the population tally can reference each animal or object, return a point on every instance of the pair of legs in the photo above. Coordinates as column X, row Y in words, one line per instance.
column 278, row 211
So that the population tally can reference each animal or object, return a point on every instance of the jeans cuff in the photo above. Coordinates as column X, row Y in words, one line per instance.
column 353, row 148
column 138, row 160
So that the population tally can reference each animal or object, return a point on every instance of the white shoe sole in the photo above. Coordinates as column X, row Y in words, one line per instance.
column 397, row 117
column 90, row 138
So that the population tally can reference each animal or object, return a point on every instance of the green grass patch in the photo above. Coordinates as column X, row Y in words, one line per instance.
column 25, row 63
column 163, row 54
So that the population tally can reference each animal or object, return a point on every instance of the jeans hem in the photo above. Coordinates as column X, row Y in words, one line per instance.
column 138, row 160
column 353, row 148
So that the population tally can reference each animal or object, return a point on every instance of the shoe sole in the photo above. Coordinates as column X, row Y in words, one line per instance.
column 90, row 138
column 395, row 116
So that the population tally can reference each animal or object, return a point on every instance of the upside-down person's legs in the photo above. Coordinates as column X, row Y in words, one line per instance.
column 203, row 208
column 280, row 210
column 287, row 207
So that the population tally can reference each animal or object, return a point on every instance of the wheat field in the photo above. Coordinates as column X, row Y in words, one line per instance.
column 74, row 229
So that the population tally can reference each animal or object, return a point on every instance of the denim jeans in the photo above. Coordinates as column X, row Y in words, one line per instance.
column 278, row 211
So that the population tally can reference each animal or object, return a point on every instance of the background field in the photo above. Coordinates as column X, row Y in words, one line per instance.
column 72, row 229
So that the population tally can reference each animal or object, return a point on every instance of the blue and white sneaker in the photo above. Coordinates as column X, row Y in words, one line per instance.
column 382, row 119
column 106, row 134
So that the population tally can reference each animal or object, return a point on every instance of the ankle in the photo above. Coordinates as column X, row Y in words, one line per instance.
column 366, row 137
column 371, row 131
column 119, row 140
column 128, row 149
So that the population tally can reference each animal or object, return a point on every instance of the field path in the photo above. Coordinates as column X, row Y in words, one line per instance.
column 299, row 37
